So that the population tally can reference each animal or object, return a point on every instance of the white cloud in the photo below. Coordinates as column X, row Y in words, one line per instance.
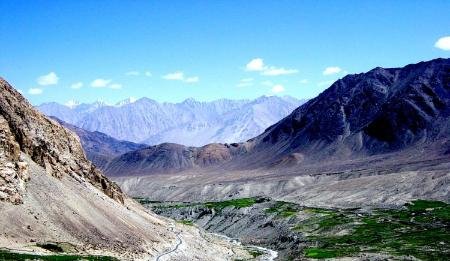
column 103, row 83
column 100, row 83
column 115, row 86
column 443, row 43
column 273, row 71
column 277, row 88
column 76, row 85
column 256, row 64
column 176, row 76
column 49, row 79
column 179, row 76
column 132, row 73
column 304, row 81
column 35, row 91
column 192, row 79
column 331, row 70
column 137, row 73
column 247, row 80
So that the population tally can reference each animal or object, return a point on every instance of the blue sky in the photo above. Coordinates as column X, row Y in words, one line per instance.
column 172, row 50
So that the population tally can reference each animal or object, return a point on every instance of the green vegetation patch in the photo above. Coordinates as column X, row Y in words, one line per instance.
column 6, row 255
column 216, row 205
column 60, row 247
column 320, row 253
column 146, row 201
column 420, row 229
column 255, row 253
column 172, row 205
column 54, row 247
column 236, row 203
column 283, row 209
column 323, row 220
column 186, row 222
column 432, row 210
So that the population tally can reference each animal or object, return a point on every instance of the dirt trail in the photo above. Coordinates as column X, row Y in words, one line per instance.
column 175, row 248
column 236, row 246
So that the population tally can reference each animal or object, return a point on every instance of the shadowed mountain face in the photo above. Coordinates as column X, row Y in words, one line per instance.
column 190, row 122
column 380, row 111
column 99, row 147
column 383, row 110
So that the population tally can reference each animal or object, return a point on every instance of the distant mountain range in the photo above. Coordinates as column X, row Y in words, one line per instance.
column 381, row 111
column 190, row 122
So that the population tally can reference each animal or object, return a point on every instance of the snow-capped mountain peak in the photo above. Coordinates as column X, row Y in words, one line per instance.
column 190, row 122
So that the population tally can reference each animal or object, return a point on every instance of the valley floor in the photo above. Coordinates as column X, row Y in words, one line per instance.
column 68, row 219
column 380, row 180
column 419, row 230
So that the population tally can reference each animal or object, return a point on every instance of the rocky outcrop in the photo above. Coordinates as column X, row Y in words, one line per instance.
column 47, row 143
column 13, row 170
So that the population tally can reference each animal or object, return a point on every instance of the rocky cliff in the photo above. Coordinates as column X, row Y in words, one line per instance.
column 13, row 170
column 47, row 143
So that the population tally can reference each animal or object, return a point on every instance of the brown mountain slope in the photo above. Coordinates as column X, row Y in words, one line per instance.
column 360, row 115
column 50, row 192
column 99, row 147
column 375, row 138
column 48, row 144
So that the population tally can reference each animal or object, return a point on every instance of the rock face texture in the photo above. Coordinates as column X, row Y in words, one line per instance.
column 13, row 170
column 99, row 147
column 47, row 143
column 381, row 111
column 191, row 123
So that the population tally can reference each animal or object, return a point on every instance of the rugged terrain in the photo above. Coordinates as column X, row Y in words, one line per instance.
column 52, row 199
column 419, row 229
column 99, row 147
column 386, row 180
column 379, row 138
column 190, row 122
column 381, row 111
column 172, row 158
